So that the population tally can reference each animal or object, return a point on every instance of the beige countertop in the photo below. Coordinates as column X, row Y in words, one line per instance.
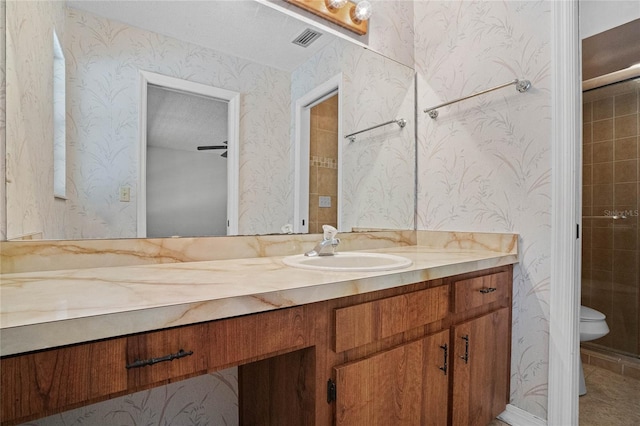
column 47, row 309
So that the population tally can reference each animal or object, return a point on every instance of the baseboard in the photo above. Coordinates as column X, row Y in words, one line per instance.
column 518, row 417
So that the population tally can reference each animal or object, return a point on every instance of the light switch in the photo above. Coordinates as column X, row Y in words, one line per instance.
column 324, row 201
column 125, row 194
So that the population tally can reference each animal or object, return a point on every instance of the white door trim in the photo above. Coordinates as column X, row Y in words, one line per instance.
column 564, row 298
column 233, row 128
column 301, row 151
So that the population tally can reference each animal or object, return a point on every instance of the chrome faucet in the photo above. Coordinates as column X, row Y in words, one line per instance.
column 326, row 247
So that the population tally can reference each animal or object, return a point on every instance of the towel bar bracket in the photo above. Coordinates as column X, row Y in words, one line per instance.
column 523, row 85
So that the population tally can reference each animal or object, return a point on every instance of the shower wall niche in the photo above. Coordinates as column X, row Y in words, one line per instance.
column 611, row 190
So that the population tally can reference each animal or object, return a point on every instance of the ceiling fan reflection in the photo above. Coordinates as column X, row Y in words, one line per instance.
column 208, row 147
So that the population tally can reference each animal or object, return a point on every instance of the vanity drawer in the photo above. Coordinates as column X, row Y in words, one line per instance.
column 44, row 382
column 474, row 292
column 367, row 322
column 159, row 356
column 249, row 338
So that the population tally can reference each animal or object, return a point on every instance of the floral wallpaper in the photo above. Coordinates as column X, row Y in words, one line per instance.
column 484, row 164
column 379, row 166
column 391, row 30
column 31, row 207
column 210, row 399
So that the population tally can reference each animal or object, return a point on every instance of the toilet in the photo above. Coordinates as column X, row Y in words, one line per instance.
column 592, row 326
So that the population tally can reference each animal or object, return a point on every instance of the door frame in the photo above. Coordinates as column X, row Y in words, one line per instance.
column 233, row 128
column 302, row 126
column 566, row 224
column 566, row 220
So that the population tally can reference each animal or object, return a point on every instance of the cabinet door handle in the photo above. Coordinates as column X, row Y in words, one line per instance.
column 332, row 391
column 465, row 357
column 445, row 348
column 144, row 362
column 487, row 290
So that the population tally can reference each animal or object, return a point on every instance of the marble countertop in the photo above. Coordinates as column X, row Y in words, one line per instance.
column 40, row 310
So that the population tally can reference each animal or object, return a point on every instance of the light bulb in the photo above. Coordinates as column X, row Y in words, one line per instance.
column 335, row 4
column 361, row 12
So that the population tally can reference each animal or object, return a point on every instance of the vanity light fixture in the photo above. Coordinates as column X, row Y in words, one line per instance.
column 361, row 12
column 352, row 15
column 336, row 4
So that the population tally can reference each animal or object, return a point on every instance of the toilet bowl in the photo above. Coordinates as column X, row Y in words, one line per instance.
column 593, row 325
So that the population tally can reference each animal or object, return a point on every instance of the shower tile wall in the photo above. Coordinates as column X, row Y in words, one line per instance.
column 611, row 247
column 323, row 164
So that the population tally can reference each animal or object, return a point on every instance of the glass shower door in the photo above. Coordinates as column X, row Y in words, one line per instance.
column 611, row 187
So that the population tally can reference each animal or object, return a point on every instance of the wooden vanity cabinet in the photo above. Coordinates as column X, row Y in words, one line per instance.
column 42, row 383
column 481, row 346
column 383, row 357
column 458, row 375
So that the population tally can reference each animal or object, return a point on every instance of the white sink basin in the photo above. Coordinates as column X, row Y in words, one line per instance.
column 349, row 262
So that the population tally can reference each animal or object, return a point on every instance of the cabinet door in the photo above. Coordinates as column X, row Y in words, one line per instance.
column 481, row 349
column 406, row 385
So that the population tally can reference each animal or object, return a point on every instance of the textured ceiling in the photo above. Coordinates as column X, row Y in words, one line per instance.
column 243, row 28
column 183, row 121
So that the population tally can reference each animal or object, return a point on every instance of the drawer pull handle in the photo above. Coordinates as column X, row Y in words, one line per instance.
column 465, row 357
column 446, row 353
column 144, row 362
column 488, row 290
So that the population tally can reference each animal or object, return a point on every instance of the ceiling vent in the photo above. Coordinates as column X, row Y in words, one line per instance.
column 307, row 37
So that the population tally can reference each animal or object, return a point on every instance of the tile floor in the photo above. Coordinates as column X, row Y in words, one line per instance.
column 611, row 399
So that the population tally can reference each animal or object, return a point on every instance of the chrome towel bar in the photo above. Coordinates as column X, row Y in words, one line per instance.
column 400, row 122
column 521, row 86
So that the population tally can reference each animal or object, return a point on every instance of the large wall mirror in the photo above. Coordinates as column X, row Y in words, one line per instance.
column 82, row 108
